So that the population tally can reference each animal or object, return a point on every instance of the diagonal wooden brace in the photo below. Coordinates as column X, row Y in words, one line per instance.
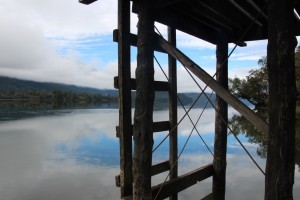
column 210, row 81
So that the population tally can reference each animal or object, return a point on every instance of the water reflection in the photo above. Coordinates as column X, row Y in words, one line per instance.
column 75, row 155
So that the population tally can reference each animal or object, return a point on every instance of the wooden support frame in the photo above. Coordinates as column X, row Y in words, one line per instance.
column 207, row 79
column 173, row 138
column 280, row 166
column 220, row 143
column 143, row 115
column 124, row 74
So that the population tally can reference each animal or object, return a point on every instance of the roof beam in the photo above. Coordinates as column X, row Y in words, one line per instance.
column 186, row 24
column 215, row 14
column 246, row 13
column 257, row 8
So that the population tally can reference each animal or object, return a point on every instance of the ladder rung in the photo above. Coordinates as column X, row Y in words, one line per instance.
column 133, row 41
column 160, row 168
column 158, row 85
column 155, row 169
column 182, row 182
column 161, row 126
column 157, row 127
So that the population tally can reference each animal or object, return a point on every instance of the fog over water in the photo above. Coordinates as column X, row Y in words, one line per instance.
column 75, row 155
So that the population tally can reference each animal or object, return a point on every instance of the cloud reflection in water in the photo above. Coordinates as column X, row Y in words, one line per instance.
column 76, row 156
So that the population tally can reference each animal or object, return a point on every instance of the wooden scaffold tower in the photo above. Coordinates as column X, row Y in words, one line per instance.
column 219, row 22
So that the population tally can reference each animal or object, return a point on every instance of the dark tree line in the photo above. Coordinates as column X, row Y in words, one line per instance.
column 56, row 97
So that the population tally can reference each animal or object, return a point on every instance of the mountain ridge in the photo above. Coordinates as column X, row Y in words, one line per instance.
column 16, row 84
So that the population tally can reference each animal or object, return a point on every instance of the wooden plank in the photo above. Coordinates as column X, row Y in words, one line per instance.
column 182, row 182
column 124, row 73
column 157, row 127
column 173, row 138
column 207, row 79
column 220, row 143
column 133, row 41
column 161, row 126
column 143, row 114
column 86, row 1
column 155, row 169
column 160, row 168
column 246, row 13
column 280, row 165
column 158, row 85
column 179, row 21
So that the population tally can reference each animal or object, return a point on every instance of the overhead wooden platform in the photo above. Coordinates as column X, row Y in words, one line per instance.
column 205, row 19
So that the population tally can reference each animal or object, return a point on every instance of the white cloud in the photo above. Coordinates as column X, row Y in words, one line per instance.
column 64, row 18
column 28, row 54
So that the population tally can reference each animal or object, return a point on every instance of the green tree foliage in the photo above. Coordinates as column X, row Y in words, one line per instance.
column 254, row 87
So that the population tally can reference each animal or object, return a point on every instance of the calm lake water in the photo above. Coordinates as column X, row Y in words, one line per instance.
column 74, row 154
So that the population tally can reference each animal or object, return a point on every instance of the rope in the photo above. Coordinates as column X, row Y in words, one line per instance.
column 194, row 125
column 183, row 148
column 172, row 130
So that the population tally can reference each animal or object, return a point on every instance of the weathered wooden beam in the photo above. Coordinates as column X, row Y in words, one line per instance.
column 217, row 13
column 155, row 169
column 246, row 13
column 160, row 168
column 124, row 73
column 207, row 79
column 173, row 138
column 221, row 120
column 257, row 8
column 87, row 1
column 161, row 126
column 157, row 127
column 133, row 41
column 143, row 114
column 179, row 21
column 193, row 12
column 280, row 166
column 182, row 182
column 158, row 85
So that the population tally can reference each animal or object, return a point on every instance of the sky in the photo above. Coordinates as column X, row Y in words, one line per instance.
column 68, row 42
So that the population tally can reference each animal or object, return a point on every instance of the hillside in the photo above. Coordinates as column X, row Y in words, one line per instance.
column 13, row 84
column 9, row 85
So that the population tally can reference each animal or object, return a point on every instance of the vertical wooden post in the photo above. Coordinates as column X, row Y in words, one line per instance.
column 220, row 145
column 282, row 89
column 173, row 110
column 124, row 98
column 143, row 116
